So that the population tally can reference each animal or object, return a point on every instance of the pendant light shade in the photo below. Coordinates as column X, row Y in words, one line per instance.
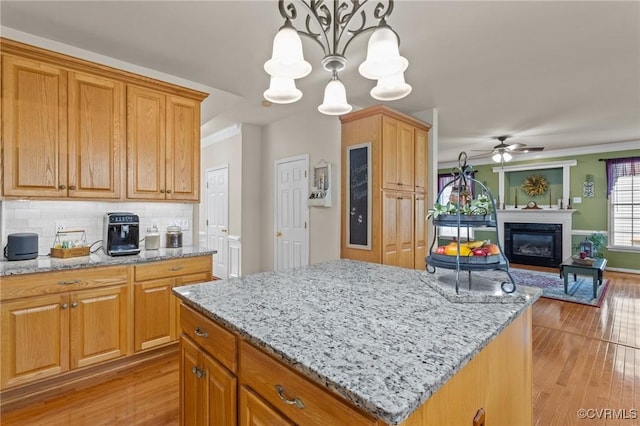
column 282, row 91
column 287, row 59
column 335, row 98
column 391, row 88
column 383, row 56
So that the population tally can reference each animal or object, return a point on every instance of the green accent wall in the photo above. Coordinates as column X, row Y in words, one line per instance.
column 591, row 214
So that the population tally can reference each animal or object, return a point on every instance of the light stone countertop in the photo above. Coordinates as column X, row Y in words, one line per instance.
column 382, row 337
column 48, row 264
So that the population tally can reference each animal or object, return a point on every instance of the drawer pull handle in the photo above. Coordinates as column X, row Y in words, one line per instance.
column 69, row 282
column 176, row 268
column 199, row 373
column 288, row 400
column 200, row 333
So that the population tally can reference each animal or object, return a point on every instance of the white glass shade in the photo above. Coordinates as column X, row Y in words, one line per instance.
column 383, row 57
column 501, row 156
column 335, row 99
column 282, row 91
column 287, row 59
column 391, row 88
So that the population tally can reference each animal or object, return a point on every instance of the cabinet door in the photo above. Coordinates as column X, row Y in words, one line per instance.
column 146, row 144
column 398, row 229
column 191, row 401
column 420, row 160
column 420, row 228
column 183, row 149
column 219, row 389
column 96, row 144
column 35, row 339
column 155, row 317
column 34, row 128
column 255, row 412
column 98, row 324
column 397, row 155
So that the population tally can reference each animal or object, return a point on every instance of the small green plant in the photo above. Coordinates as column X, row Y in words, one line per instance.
column 480, row 206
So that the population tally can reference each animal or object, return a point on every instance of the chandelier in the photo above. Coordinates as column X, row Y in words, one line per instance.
column 333, row 25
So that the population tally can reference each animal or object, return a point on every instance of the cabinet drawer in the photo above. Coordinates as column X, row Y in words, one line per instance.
column 215, row 340
column 18, row 286
column 265, row 375
column 172, row 268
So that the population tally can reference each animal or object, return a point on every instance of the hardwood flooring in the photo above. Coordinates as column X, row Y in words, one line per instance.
column 583, row 358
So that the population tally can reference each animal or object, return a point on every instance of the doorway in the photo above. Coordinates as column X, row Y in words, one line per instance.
column 217, row 221
column 291, row 213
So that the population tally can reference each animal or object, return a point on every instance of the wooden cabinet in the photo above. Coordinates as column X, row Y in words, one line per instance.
column 155, row 307
column 47, row 334
column 163, row 144
column 255, row 412
column 398, row 173
column 209, row 391
column 64, row 123
column 62, row 131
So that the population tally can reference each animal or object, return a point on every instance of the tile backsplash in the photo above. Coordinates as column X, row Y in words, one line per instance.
column 41, row 217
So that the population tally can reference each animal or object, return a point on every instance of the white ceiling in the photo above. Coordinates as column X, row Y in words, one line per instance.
column 549, row 73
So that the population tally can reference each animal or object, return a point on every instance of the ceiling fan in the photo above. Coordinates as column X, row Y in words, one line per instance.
column 501, row 153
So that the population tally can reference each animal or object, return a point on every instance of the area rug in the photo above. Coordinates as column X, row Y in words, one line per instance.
column 552, row 285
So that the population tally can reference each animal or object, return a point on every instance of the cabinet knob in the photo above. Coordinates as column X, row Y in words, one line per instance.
column 198, row 372
column 162, row 191
column 168, row 191
column 287, row 400
column 74, row 305
column 62, row 187
column 200, row 332
column 72, row 187
column 64, row 306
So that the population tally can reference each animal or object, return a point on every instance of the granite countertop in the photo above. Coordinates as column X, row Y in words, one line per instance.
column 380, row 336
column 47, row 263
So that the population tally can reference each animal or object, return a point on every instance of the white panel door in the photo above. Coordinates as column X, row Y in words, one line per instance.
column 291, row 214
column 218, row 217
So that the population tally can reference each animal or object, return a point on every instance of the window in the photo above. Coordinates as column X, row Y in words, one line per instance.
column 623, row 191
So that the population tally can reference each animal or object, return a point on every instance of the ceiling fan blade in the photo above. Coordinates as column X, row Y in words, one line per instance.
column 515, row 147
column 529, row 149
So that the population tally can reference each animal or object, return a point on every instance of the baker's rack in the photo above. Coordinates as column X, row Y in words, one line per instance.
column 463, row 178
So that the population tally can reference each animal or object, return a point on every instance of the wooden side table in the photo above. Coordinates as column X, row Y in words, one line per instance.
column 594, row 270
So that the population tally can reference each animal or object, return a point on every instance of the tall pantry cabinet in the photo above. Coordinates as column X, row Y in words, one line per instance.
column 397, row 170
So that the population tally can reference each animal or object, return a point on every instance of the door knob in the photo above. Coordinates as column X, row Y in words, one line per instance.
column 224, row 231
column 278, row 234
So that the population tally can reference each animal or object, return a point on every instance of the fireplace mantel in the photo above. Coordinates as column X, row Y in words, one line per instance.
column 561, row 216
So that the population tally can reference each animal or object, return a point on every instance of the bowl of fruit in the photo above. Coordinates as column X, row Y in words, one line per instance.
column 470, row 252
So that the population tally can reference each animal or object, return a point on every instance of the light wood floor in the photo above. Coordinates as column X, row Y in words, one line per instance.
column 583, row 358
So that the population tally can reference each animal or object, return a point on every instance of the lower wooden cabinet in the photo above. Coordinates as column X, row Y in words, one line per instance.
column 48, row 335
column 255, row 412
column 156, row 309
column 208, row 390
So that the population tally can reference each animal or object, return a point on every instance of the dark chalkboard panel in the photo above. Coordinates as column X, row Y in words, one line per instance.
column 358, row 159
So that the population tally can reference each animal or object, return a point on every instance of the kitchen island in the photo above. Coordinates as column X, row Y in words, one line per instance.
column 377, row 338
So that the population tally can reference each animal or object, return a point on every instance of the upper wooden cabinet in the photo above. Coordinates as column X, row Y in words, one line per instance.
column 65, row 122
column 163, row 146
column 398, row 146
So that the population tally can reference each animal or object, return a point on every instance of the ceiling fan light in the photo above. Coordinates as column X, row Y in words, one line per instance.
column 287, row 59
column 502, row 156
column 282, row 91
column 383, row 56
column 496, row 157
column 391, row 88
column 335, row 99
column 506, row 156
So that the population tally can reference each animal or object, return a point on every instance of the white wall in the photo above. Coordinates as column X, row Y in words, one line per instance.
column 319, row 136
column 252, row 199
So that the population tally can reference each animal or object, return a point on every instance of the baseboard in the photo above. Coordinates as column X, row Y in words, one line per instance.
column 626, row 271
column 14, row 398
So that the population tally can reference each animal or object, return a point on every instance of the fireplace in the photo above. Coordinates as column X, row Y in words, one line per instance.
column 533, row 243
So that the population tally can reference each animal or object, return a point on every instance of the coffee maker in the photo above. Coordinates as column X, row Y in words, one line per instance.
column 121, row 234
